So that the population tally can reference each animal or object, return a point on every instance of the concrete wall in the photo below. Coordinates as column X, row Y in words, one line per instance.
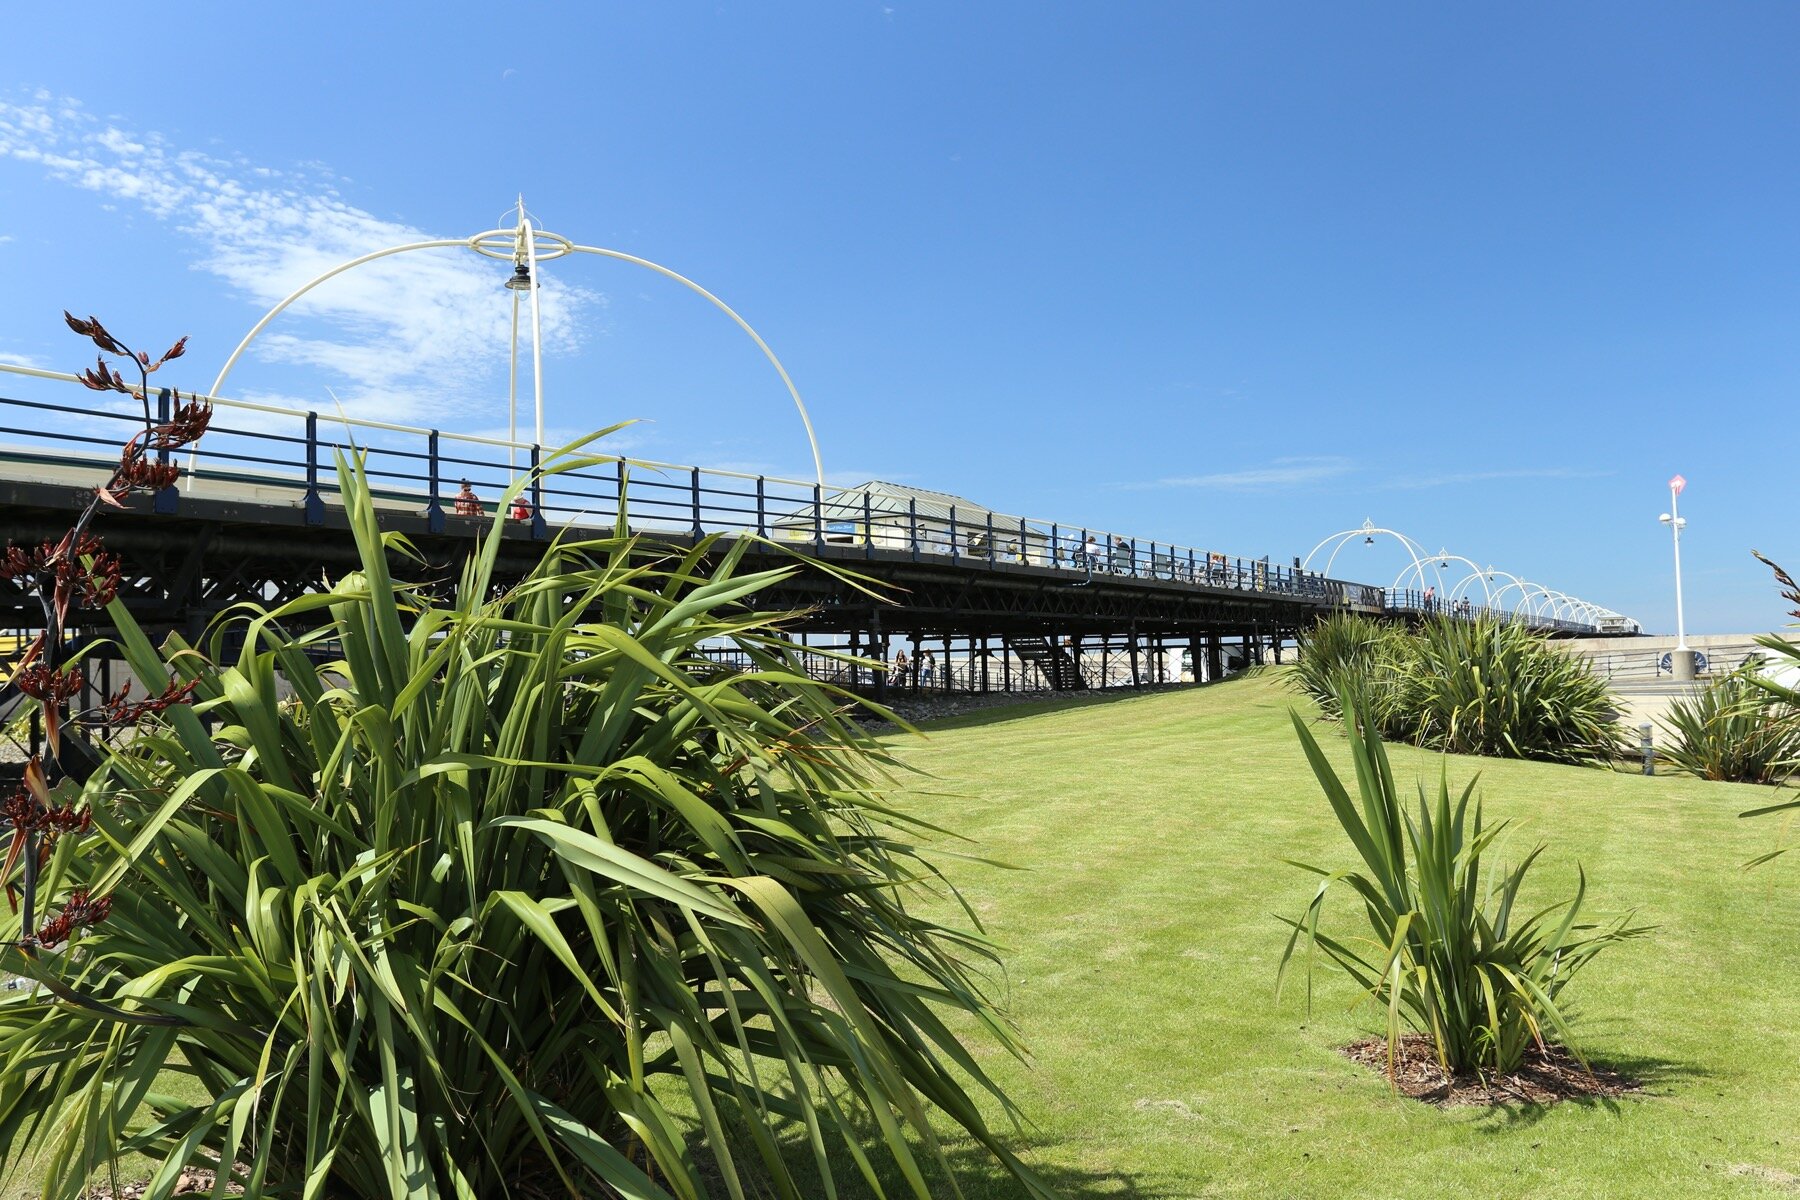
column 1640, row 658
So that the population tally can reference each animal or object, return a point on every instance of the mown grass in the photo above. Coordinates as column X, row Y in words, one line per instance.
column 1142, row 946
column 1142, row 952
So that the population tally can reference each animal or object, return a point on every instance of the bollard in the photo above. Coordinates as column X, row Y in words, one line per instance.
column 1648, row 748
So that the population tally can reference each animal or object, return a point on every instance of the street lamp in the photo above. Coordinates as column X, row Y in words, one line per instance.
column 1681, row 661
column 525, row 246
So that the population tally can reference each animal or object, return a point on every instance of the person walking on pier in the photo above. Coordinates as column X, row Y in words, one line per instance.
column 927, row 668
column 901, row 663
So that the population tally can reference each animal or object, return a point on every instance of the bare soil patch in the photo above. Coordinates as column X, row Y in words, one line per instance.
column 1544, row 1077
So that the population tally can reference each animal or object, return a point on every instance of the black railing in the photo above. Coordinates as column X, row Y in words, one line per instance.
column 272, row 455
column 1412, row 602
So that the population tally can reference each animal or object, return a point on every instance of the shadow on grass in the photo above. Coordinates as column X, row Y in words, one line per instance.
column 977, row 1174
column 1653, row 1075
column 1002, row 713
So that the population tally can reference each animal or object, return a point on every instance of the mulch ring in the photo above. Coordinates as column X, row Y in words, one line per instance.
column 1544, row 1077
column 194, row 1181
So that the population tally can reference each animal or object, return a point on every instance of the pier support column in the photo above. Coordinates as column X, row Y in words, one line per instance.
column 878, row 649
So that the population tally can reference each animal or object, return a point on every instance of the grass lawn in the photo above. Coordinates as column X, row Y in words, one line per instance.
column 1141, row 952
column 1141, row 948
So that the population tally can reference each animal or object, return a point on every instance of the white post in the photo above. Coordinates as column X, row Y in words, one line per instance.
column 537, row 340
column 1681, row 659
column 1675, row 523
column 512, row 393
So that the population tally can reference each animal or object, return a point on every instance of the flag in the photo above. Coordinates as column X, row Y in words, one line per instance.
column 1676, row 484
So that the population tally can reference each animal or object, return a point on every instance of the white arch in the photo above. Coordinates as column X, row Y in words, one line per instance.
column 1545, row 598
column 487, row 243
column 1443, row 558
column 1513, row 581
column 1535, row 602
column 1368, row 530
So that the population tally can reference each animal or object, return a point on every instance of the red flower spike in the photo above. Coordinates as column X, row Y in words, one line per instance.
column 92, row 329
column 121, row 711
column 189, row 425
column 142, row 474
column 79, row 912
column 41, row 681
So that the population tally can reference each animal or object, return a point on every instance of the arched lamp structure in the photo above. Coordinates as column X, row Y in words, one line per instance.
column 1534, row 601
column 1368, row 531
column 526, row 246
column 1443, row 558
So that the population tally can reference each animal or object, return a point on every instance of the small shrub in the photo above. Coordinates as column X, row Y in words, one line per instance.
column 1496, row 688
column 1348, row 654
column 1450, row 955
column 1735, row 729
column 1780, row 678
column 1480, row 686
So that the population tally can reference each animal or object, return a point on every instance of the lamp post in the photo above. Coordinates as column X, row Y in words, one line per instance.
column 1681, row 661
column 525, row 246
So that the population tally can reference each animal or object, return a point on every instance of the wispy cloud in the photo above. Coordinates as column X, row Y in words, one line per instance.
column 23, row 360
column 1280, row 473
column 1455, row 478
column 396, row 333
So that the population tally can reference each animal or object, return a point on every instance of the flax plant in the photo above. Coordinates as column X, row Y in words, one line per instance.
column 1351, row 654
column 1784, row 662
column 1449, row 952
column 1734, row 730
column 1497, row 688
column 480, row 891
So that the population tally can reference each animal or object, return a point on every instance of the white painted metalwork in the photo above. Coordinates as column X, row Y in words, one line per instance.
column 1367, row 531
column 539, row 246
column 1443, row 558
column 1535, row 601
column 1676, row 523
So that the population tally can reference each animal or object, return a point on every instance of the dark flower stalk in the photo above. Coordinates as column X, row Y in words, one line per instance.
column 78, row 573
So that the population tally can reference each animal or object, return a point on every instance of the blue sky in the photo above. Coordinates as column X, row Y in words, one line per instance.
column 1234, row 276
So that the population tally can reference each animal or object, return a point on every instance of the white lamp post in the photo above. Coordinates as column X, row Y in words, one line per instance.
column 1681, row 661
column 526, row 245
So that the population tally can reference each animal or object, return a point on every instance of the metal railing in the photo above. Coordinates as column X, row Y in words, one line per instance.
column 279, row 455
column 275, row 455
column 1410, row 601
